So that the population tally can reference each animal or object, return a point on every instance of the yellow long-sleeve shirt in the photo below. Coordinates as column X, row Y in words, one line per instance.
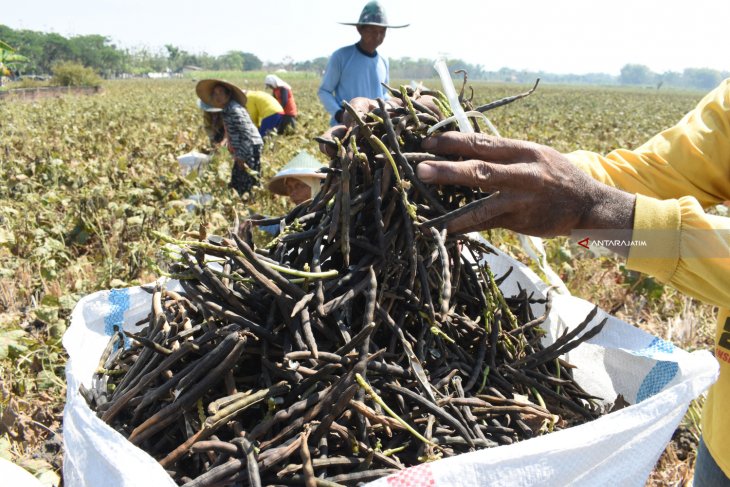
column 260, row 105
column 675, row 174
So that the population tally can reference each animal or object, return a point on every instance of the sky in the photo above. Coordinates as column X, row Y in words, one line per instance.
column 558, row 36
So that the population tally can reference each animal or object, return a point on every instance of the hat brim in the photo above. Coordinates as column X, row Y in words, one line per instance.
column 277, row 184
column 387, row 26
column 204, row 90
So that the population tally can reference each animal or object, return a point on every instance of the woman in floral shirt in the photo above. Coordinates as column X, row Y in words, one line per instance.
column 244, row 141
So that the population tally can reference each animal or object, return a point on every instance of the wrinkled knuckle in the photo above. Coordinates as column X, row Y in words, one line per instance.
column 544, row 153
column 481, row 143
column 481, row 173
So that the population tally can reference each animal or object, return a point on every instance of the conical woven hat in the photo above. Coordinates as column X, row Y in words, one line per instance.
column 204, row 90
column 303, row 165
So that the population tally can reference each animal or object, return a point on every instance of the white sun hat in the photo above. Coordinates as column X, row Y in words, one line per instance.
column 304, row 167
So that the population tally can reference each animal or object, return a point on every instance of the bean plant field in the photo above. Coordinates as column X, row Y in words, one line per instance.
column 85, row 180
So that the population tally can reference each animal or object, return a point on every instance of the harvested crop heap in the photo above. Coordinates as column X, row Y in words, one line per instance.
column 362, row 340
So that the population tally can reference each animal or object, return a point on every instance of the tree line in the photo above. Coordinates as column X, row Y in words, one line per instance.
column 699, row 78
column 98, row 52
column 44, row 50
column 631, row 75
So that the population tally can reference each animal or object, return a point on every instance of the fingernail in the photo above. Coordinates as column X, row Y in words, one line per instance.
column 426, row 173
column 428, row 143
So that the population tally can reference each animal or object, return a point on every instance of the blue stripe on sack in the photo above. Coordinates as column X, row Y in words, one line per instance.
column 119, row 301
column 658, row 377
column 656, row 345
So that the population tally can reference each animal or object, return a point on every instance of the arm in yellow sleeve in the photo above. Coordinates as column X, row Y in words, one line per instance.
column 685, row 247
column 675, row 174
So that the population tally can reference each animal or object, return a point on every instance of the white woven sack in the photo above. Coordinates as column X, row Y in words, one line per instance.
column 618, row 449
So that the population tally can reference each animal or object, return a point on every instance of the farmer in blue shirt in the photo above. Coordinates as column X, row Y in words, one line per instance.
column 357, row 70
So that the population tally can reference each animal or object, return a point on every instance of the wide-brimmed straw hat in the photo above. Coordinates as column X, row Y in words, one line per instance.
column 204, row 89
column 302, row 166
column 374, row 14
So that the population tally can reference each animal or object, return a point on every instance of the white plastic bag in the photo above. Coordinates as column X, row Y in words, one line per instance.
column 16, row 476
column 198, row 201
column 193, row 161
column 618, row 449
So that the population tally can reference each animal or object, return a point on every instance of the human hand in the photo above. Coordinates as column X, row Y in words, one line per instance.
column 361, row 106
column 327, row 145
column 428, row 102
column 541, row 193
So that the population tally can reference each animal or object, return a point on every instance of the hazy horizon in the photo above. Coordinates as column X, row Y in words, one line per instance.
column 564, row 37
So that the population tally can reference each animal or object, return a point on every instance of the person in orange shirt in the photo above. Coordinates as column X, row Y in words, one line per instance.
column 285, row 96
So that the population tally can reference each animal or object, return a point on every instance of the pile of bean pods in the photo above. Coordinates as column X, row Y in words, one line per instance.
column 362, row 340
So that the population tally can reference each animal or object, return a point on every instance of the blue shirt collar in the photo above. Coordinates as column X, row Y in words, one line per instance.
column 357, row 45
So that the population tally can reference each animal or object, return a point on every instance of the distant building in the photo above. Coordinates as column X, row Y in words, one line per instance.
column 191, row 69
